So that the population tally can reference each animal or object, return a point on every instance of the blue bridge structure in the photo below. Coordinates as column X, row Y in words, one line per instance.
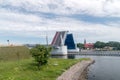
column 63, row 43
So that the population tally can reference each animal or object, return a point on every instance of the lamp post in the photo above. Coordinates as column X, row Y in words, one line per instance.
column 8, row 42
column 46, row 37
column 47, row 40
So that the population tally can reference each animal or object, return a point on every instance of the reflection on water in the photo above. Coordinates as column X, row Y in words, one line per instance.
column 104, row 68
column 56, row 56
column 64, row 56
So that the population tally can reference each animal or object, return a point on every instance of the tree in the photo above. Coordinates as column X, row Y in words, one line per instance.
column 40, row 54
column 80, row 45
column 114, row 44
column 99, row 44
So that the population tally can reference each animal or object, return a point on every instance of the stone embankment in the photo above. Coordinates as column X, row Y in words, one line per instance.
column 77, row 71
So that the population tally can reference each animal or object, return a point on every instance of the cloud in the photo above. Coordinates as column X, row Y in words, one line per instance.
column 66, row 7
column 32, row 25
column 31, row 18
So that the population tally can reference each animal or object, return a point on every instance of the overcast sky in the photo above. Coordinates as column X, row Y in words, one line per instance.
column 28, row 21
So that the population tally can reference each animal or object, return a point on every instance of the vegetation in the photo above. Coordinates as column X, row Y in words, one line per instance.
column 115, row 45
column 14, row 53
column 26, row 69
column 80, row 45
column 14, row 66
column 40, row 54
column 99, row 44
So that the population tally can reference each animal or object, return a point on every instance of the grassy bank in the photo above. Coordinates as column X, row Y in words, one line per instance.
column 13, row 53
column 27, row 70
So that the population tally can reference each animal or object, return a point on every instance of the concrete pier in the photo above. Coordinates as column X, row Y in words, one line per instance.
column 77, row 71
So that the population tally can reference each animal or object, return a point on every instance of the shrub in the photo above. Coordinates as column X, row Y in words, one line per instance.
column 40, row 54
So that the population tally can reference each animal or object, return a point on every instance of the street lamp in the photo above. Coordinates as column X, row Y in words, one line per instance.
column 46, row 37
column 8, row 42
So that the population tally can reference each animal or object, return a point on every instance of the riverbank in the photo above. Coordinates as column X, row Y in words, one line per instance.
column 77, row 71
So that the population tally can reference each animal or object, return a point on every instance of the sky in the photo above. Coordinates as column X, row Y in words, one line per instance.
column 29, row 21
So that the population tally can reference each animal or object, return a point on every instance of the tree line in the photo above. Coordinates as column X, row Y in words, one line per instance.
column 100, row 44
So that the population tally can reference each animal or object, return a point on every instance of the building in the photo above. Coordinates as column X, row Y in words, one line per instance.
column 88, row 45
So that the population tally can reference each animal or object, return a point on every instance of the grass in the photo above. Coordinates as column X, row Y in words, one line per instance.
column 26, row 69
column 13, row 53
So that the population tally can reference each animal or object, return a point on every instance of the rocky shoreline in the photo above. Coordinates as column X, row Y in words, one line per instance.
column 77, row 71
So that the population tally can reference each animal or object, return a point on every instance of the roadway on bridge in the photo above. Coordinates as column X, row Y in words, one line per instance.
column 97, row 53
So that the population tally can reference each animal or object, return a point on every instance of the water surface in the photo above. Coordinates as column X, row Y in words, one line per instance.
column 104, row 68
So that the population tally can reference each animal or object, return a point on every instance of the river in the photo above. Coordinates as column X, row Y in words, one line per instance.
column 104, row 68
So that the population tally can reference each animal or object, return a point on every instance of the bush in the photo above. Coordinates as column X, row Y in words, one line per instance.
column 40, row 54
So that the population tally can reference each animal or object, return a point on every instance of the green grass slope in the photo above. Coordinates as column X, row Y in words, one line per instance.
column 27, row 70
column 13, row 53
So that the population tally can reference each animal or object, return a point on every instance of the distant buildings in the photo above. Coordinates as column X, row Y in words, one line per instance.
column 88, row 45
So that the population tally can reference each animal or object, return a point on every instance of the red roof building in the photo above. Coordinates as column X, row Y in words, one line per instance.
column 89, row 46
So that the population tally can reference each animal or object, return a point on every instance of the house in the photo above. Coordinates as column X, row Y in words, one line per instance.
column 89, row 46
